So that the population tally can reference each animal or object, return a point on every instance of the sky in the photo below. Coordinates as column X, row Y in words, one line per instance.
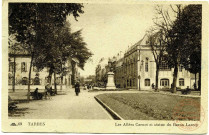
column 110, row 28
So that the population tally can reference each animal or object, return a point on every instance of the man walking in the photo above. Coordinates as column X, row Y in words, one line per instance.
column 77, row 88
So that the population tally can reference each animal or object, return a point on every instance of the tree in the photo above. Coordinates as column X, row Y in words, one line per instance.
column 155, row 40
column 62, row 45
column 183, row 39
column 173, row 37
column 191, row 23
column 13, row 47
column 33, row 21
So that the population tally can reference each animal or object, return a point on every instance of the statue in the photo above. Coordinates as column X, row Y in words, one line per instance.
column 110, row 77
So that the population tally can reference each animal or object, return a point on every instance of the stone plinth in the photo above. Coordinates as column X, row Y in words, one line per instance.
column 110, row 81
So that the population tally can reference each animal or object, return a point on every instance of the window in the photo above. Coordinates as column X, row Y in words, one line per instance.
column 181, row 82
column 36, row 81
column 180, row 68
column 164, row 82
column 24, row 81
column 23, row 67
column 11, row 67
column 146, row 65
column 164, row 64
column 147, row 82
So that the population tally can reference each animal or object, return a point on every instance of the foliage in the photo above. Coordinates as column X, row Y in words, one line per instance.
column 46, row 29
column 185, row 38
column 35, row 23
column 61, row 46
column 155, row 40
column 191, row 21
column 182, row 37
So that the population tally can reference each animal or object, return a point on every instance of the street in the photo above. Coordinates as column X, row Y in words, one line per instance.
column 66, row 106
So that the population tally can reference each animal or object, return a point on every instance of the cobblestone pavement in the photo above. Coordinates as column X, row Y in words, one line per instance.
column 66, row 106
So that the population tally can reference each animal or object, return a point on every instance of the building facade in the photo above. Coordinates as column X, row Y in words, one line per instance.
column 137, row 70
column 119, row 75
column 18, row 72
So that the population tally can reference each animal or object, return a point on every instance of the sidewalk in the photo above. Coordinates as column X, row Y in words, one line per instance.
column 66, row 106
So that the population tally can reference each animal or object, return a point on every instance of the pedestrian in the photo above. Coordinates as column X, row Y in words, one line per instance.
column 35, row 94
column 48, row 88
column 195, row 86
column 77, row 88
column 153, row 86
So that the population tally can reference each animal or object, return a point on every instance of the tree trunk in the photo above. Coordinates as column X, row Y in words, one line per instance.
column 195, row 78
column 50, row 76
column 55, row 84
column 73, row 73
column 195, row 81
column 156, row 77
column 175, row 78
column 29, row 77
column 61, row 82
column 14, row 71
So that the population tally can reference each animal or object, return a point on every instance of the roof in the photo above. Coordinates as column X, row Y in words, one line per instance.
column 119, row 63
column 140, row 42
column 16, row 48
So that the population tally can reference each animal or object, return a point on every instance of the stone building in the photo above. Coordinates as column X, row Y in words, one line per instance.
column 119, row 75
column 137, row 70
column 38, row 78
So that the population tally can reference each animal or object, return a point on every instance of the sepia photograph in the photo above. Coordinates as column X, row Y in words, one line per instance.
column 106, row 61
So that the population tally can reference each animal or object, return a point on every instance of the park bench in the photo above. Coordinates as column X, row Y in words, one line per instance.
column 11, row 103
column 40, row 95
column 52, row 92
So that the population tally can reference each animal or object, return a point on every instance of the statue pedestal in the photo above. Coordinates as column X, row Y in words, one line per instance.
column 110, row 81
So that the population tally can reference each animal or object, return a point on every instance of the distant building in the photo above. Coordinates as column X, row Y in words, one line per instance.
column 90, row 79
column 101, row 72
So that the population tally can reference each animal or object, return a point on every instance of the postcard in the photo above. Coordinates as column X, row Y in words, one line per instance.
column 105, row 66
